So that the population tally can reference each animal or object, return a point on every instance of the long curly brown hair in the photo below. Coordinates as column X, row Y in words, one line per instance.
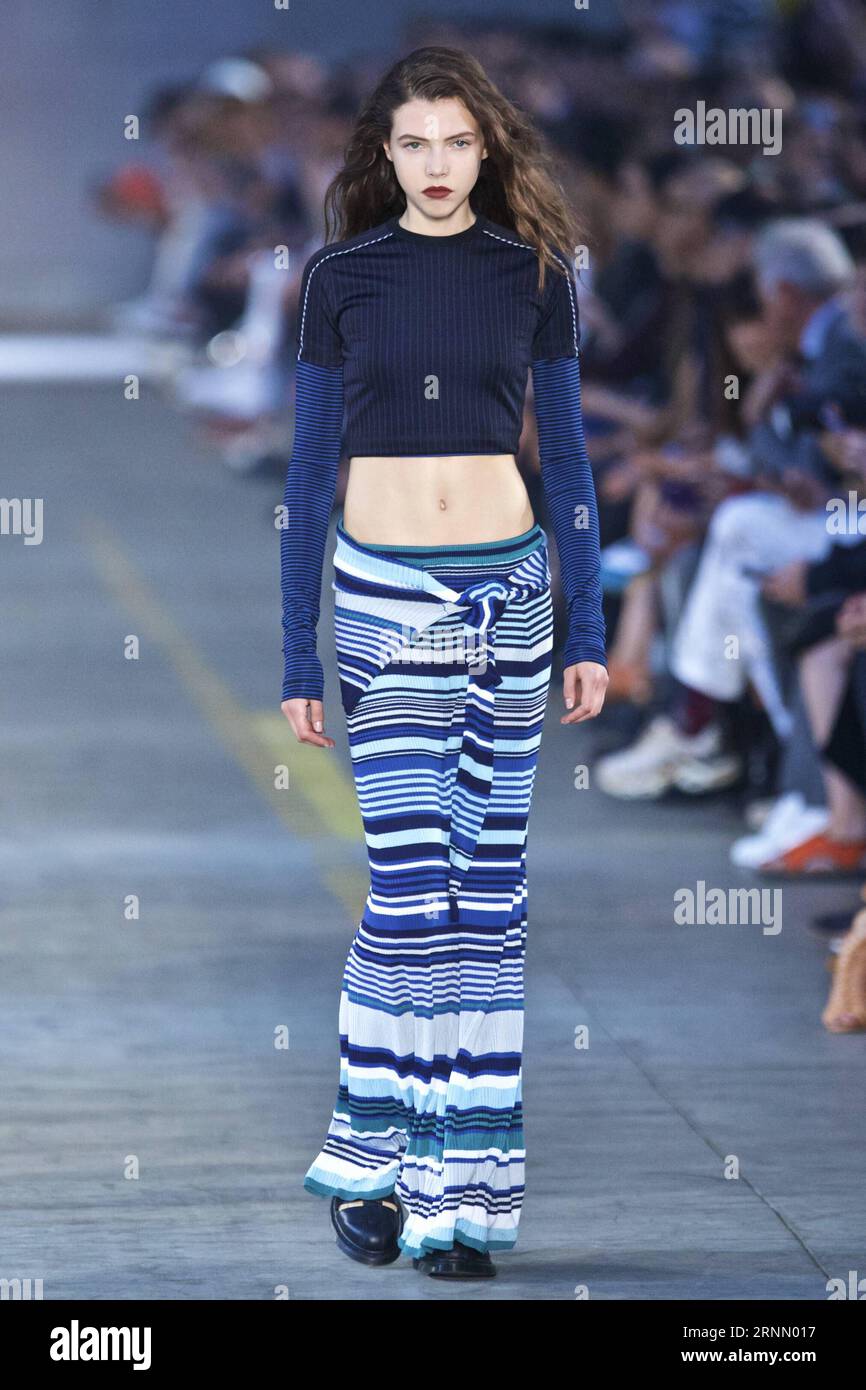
column 517, row 184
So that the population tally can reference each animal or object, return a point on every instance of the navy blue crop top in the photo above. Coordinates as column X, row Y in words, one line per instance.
column 409, row 344
column 435, row 335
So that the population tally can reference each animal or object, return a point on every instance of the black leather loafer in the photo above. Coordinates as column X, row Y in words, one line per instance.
column 460, row 1262
column 367, row 1229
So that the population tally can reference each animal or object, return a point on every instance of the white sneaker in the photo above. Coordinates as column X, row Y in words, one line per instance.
column 652, row 764
column 708, row 772
column 791, row 822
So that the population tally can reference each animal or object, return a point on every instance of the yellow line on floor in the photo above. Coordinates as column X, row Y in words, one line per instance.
column 328, row 793
column 319, row 803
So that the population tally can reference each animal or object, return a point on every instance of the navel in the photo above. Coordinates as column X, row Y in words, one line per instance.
column 442, row 503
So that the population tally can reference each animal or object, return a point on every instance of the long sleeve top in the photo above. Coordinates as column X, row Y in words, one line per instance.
column 413, row 345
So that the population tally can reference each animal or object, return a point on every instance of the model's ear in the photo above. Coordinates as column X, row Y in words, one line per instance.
column 386, row 146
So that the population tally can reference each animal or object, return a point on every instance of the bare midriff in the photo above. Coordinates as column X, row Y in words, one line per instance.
column 436, row 500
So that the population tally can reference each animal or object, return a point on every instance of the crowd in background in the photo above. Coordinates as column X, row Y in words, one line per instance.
column 723, row 358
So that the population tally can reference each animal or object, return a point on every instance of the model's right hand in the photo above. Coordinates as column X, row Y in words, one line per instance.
column 307, row 718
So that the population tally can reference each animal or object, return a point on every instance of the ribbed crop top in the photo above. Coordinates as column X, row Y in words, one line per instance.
column 435, row 335
column 409, row 344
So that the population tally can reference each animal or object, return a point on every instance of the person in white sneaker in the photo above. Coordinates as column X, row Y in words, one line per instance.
column 720, row 645
column 789, row 822
column 687, row 750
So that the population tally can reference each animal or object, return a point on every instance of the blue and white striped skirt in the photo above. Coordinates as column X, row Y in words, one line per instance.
column 444, row 655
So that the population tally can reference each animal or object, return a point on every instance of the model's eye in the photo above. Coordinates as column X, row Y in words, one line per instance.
column 409, row 143
column 461, row 140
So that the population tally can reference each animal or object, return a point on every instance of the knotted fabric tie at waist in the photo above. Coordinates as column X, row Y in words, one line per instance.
column 382, row 605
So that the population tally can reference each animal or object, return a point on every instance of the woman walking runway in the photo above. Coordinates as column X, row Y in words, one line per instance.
column 415, row 334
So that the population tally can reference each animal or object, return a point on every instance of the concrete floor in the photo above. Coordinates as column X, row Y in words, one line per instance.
column 154, row 1136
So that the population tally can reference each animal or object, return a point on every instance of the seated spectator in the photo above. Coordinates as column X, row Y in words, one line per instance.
column 830, row 682
column 719, row 648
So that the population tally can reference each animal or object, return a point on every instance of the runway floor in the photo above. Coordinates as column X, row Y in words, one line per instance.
column 167, row 912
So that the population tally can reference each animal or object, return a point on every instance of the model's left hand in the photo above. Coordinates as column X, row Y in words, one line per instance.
column 583, row 688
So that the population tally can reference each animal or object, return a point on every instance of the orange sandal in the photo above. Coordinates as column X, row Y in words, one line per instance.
column 819, row 855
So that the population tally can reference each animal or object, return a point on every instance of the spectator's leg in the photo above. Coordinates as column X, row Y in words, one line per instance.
column 629, row 658
column 824, row 675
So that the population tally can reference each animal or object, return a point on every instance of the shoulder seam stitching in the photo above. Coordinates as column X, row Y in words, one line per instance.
column 525, row 247
column 329, row 257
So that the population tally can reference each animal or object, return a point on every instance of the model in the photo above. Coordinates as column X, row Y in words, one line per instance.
column 416, row 330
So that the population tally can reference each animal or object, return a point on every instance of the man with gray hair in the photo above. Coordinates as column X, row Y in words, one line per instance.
column 803, row 252
column 801, row 268
column 720, row 645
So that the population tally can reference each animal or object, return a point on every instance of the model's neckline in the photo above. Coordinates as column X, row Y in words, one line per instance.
column 428, row 239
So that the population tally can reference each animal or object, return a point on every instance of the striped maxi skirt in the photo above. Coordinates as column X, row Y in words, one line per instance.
column 444, row 655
